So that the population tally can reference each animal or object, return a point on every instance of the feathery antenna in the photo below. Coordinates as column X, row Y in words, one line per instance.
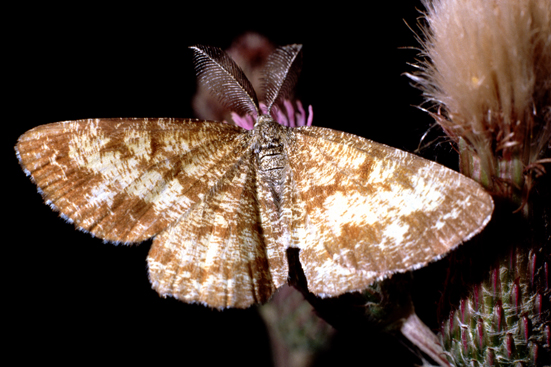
column 225, row 79
column 281, row 73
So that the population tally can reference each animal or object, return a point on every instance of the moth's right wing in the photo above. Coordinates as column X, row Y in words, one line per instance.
column 362, row 210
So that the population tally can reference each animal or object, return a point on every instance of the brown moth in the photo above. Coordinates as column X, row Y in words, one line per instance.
column 223, row 204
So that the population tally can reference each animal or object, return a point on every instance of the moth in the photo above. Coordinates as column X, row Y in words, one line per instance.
column 223, row 204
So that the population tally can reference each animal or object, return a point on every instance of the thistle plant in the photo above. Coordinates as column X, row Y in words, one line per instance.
column 485, row 72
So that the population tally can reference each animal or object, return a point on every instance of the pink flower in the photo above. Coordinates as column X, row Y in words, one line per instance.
column 289, row 117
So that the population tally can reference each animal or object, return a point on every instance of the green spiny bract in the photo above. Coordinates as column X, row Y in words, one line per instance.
column 504, row 321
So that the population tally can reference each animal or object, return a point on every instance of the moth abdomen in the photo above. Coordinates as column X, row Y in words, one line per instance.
column 271, row 158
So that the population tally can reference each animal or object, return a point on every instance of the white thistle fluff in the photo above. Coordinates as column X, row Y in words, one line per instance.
column 487, row 70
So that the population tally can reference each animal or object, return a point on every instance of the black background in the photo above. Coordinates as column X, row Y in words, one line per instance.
column 73, row 298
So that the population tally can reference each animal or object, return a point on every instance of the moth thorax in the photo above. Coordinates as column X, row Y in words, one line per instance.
column 269, row 148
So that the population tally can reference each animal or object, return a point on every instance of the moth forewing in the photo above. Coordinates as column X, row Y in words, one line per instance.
column 125, row 180
column 368, row 210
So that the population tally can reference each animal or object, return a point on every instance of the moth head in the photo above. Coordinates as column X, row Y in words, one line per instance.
column 228, row 83
column 264, row 118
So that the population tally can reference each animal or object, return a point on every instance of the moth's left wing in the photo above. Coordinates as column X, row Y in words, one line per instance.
column 127, row 179
column 362, row 210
